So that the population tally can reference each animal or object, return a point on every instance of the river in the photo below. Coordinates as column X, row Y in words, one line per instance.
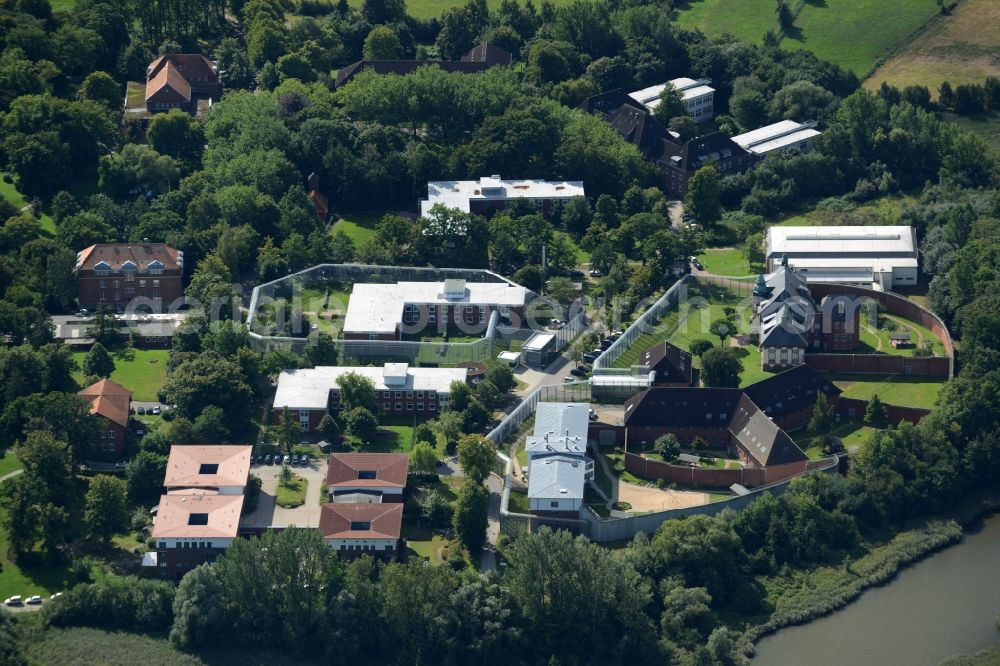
column 943, row 605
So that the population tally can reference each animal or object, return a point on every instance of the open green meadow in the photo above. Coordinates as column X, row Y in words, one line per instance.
column 10, row 193
column 856, row 34
column 359, row 227
column 143, row 375
column 728, row 261
column 903, row 390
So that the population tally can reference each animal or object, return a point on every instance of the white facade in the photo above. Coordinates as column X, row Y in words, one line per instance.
column 385, row 490
column 882, row 257
column 780, row 137
column 698, row 96
column 464, row 194
column 193, row 542
column 555, row 504
column 308, row 389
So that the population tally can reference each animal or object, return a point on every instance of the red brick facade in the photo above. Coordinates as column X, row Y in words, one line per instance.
column 112, row 437
column 117, row 274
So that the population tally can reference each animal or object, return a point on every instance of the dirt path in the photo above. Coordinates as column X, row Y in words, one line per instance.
column 878, row 340
column 644, row 498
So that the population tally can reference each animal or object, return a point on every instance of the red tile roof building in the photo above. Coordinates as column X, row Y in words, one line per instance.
column 117, row 274
column 110, row 402
column 362, row 529
column 177, row 80
column 381, row 475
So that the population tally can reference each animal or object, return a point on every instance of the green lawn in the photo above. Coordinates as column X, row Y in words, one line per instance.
column 728, row 261
column 29, row 579
column 856, row 34
column 396, row 436
column 359, row 227
column 143, row 375
column 293, row 494
column 518, row 502
column 10, row 193
column 852, row 432
column 427, row 543
column 900, row 390
column 9, row 463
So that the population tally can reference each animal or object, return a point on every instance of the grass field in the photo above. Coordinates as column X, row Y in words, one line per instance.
column 9, row 462
column 424, row 9
column 728, row 261
column 293, row 494
column 10, row 193
column 885, row 210
column 359, row 227
column 959, row 48
column 901, row 390
column 427, row 543
column 28, row 579
column 855, row 34
column 852, row 432
column 143, row 375
column 986, row 125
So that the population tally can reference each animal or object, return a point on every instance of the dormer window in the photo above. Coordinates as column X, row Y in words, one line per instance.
column 102, row 268
column 155, row 267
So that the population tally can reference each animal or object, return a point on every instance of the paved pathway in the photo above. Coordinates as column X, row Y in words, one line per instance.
column 10, row 475
column 488, row 561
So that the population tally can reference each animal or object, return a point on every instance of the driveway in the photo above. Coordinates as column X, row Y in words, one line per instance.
column 269, row 514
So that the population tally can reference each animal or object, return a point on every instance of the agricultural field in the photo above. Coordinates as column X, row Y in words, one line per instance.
column 143, row 375
column 855, row 34
column 959, row 48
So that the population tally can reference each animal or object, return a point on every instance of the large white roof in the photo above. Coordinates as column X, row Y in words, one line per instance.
column 816, row 242
column 309, row 388
column 560, row 427
column 557, row 477
column 775, row 137
column 689, row 89
column 378, row 308
column 458, row 193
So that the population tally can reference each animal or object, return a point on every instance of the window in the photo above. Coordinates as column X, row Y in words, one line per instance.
column 409, row 394
column 432, row 394
column 432, row 319
column 399, row 406
column 129, row 276
column 372, row 336
column 468, row 309
column 554, row 505
column 129, row 291
column 116, row 284
column 420, row 395
column 156, row 293
column 156, row 283
column 104, row 284
column 409, row 406
column 111, row 434
column 398, row 394
column 420, row 406
column 482, row 309
column 431, row 407
column 468, row 320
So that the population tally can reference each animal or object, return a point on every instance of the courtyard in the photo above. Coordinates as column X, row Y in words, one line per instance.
column 269, row 515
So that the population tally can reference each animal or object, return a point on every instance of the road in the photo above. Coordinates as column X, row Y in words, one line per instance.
column 489, row 560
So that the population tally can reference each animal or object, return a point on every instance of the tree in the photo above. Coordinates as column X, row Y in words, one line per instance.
column 670, row 106
column 477, row 456
column 875, row 414
column 144, row 476
column 785, row 17
column 356, row 390
column 699, row 347
column 101, row 88
column 98, row 362
column 435, row 509
column 458, row 32
column 472, row 515
column 561, row 289
column 722, row 328
column 174, row 133
column 423, row 459
column 106, row 507
column 103, row 327
column 360, row 423
column 211, row 425
column 753, row 248
column 822, row 416
column 199, row 616
column 702, row 199
column 449, row 425
column 749, row 108
column 289, row 431
column 321, row 350
column 383, row 11
column 208, row 379
column 685, row 127
column 721, row 367
column 329, row 428
column 381, row 44
column 668, row 446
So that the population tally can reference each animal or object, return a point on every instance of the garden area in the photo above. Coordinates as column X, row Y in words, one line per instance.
column 728, row 261
column 853, row 434
column 141, row 371
column 291, row 489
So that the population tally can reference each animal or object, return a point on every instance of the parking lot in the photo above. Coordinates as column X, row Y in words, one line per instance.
column 269, row 514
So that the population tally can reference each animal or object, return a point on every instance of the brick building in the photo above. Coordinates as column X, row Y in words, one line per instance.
column 353, row 530
column 311, row 393
column 362, row 478
column 116, row 274
column 198, row 517
column 751, row 423
column 179, row 80
column 671, row 364
column 110, row 403
column 388, row 311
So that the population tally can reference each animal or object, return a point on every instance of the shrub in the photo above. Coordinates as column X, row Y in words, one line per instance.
column 130, row 603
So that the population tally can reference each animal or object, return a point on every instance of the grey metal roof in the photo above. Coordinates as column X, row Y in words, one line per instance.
column 562, row 418
column 558, row 477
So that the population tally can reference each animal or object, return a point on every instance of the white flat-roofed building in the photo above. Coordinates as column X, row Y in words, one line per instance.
column 884, row 257
column 782, row 137
column 378, row 311
column 697, row 95
column 538, row 349
column 310, row 393
column 556, row 484
column 493, row 192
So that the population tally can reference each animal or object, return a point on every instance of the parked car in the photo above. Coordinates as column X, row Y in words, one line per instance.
column 576, row 274
column 577, row 372
column 605, row 343
column 304, row 460
column 595, row 273
column 121, row 464
column 54, row 596
column 295, row 459
column 140, row 410
column 590, row 357
column 592, row 415
column 155, row 411
column 34, row 600
column 14, row 600
column 267, row 459
column 288, row 459
column 567, row 380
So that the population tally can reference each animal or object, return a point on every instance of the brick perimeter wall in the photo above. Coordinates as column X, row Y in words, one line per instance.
column 931, row 366
column 855, row 408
